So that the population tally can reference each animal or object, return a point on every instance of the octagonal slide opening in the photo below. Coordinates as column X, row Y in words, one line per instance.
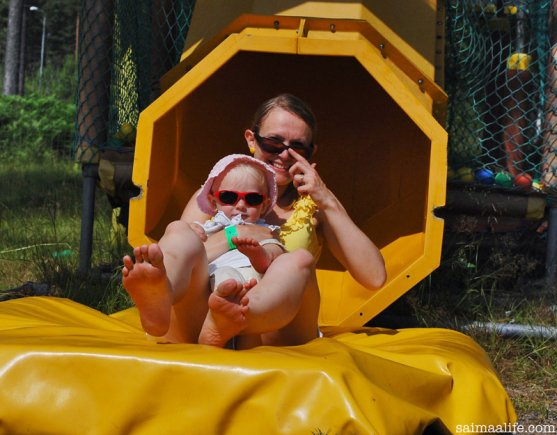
column 372, row 154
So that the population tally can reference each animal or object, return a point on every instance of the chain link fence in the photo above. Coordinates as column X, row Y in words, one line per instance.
column 500, row 77
column 125, row 46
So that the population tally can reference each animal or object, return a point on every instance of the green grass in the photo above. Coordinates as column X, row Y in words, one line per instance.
column 40, row 227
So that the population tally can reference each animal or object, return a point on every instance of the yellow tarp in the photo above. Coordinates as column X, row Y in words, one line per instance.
column 68, row 369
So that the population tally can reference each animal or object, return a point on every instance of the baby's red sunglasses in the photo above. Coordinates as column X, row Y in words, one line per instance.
column 231, row 197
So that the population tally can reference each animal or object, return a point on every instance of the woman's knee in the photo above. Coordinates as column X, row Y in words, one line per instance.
column 303, row 258
column 176, row 228
column 179, row 239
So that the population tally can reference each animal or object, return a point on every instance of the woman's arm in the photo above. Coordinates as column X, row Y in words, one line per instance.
column 192, row 212
column 216, row 245
column 350, row 245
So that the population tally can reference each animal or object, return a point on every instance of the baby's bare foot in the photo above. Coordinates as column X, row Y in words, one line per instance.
column 257, row 255
column 145, row 279
column 228, row 306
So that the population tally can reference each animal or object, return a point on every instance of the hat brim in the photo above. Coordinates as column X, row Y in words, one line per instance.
column 225, row 164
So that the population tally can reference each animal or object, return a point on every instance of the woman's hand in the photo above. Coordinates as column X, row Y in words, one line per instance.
column 198, row 229
column 307, row 181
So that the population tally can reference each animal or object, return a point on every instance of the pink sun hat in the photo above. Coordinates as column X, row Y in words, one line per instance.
column 227, row 163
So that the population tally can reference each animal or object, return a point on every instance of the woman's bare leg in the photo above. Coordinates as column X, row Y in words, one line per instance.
column 178, row 276
column 282, row 306
column 304, row 326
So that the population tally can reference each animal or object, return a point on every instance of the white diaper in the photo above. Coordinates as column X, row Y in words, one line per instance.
column 240, row 274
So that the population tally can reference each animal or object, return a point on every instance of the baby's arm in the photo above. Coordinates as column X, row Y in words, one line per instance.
column 260, row 255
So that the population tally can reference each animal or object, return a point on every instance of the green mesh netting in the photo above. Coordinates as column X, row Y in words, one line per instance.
column 125, row 46
column 500, row 78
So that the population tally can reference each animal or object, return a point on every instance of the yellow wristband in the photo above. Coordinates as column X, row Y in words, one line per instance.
column 229, row 233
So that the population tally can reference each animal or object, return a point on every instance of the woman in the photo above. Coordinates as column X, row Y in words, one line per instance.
column 284, row 306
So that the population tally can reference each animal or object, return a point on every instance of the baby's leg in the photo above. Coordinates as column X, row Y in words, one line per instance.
column 147, row 284
column 228, row 306
column 258, row 256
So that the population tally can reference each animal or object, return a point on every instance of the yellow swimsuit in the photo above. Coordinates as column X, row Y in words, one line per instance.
column 300, row 230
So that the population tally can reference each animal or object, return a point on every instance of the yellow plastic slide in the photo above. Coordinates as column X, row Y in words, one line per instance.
column 68, row 369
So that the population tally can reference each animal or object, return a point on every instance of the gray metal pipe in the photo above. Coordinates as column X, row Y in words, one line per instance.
column 486, row 202
column 90, row 176
column 551, row 252
column 514, row 330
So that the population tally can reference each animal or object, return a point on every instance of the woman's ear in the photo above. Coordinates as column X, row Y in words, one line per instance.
column 250, row 139
column 314, row 150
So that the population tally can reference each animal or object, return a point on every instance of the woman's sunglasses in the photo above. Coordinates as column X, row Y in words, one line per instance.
column 231, row 197
column 274, row 146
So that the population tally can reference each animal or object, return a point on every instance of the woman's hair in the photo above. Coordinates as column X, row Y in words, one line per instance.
column 291, row 104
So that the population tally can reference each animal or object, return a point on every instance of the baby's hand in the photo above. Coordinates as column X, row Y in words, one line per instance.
column 200, row 231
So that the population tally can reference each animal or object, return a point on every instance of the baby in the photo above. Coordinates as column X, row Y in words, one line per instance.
column 239, row 190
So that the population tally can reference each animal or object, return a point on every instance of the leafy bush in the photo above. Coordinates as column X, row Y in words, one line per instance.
column 58, row 80
column 35, row 126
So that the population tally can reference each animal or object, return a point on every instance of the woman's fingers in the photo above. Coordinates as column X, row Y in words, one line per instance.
column 302, row 170
column 307, row 181
column 301, row 161
column 304, row 174
column 298, row 180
